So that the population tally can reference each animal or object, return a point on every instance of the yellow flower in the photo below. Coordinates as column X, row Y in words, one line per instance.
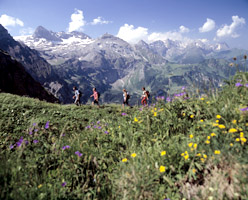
column 217, row 152
column 119, row 126
column 155, row 108
column 155, row 114
column 124, row 160
column 194, row 170
column 163, row 153
column 237, row 139
column 246, row 124
column 39, row 186
column 191, row 136
column 217, row 121
column 207, row 142
column 190, row 144
column 133, row 155
column 209, row 137
column 201, row 120
column 233, row 130
column 213, row 134
column 186, row 152
column 135, row 119
column 207, row 102
column 205, row 156
column 218, row 116
column 241, row 134
column 162, row 168
column 182, row 154
column 214, row 124
column 221, row 126
column 199, row 154
column 192, row 116
column 195, row 146
column 202, row 159
column 202, row 98
column 231, row 144
column 186, row 157
column 183, row 114
column 234, row 121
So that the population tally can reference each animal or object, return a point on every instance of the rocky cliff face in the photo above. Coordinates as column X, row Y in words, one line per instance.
column 15, row 80
column 35, row 65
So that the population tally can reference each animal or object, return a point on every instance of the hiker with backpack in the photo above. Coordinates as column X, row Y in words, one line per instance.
column 145, row 97
column 126, row 97
column 96, row 97
column 77, row 95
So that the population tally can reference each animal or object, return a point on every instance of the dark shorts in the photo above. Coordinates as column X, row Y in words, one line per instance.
column 125, row 102
column 95, row 102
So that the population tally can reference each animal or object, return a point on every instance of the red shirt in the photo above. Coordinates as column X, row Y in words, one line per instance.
column 95, row 94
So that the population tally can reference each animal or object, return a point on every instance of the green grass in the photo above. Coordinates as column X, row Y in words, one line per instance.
column 191, row 168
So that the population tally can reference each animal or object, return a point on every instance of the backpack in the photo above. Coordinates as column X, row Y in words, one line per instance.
column 128, row 96
column 148, row 93
column 98, row 94
column 80, row 93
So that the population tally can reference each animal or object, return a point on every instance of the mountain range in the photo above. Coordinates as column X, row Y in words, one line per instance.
column 111, row 64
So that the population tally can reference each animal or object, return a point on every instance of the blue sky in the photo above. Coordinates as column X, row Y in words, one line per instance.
column 132, row 20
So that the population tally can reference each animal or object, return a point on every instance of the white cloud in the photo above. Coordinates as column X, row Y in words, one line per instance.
column 26, row 31
column 100, row 20
column 6, row 20
column 131, row 34
column 183, row 29
column 209, row 25
column 232, row 28
column 77, row 21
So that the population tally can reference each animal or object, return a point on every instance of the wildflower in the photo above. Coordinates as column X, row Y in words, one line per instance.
column 133, row 155
column 39, row 186
column 88, row 127
column 234, row 121
column 218, row 116
column 214, row 124
column 243, row 140
column 78, row 153
column 35, row 141
column 246, row 85
column 191, row 136
column 195, row 146
column 237, row 139
column 155, row 114
column 163, row 153
column 217, row 152
column 199, row 154
column 213, row 134
column 209, row 137
column 207, row 142
column 194, row 170
column 30, row 132
column 183, row 88
column 98, row 122
column 201, row 120
column 221, row 126
column 99, row 127
column 11, row 146
column 207, row 102
column 35, row 130
column 168, row 99
column 63, row 184
column 119, row 126
column 190, row 144
column 34, row 124
column 183, row 114
column 19, row 143
column 205, row 156
column 106, row 132
column 162, row 168
column 202, row 98
column 47, row 125
column 217, row 121
column 233, row 130
column 123, row 114
column 192, row 116
column 244, row 109
column 186, row 157
column 238, row 84
column 124, row 160
column 66, row 147
column 135, row 119
column 202, row 159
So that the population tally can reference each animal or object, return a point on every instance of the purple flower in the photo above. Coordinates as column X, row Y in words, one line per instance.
column 238, row 84
column 47, row 125
column 11, row 146
column 63, row 184
column 95, row 126
column 123, row 114
column 183, row 88
column 30, row 132
column 106, row 132
column 66, row 147
column 244, row 109
column 26, row 142
column 246, row 85
column 78, row 153
column 99, row 127
column 98, row 122
column 168, row 99
column 35, row 141
column 87, row 127
column 34, row 124
column 63, row 135
column 35, row 130
column 19, row 143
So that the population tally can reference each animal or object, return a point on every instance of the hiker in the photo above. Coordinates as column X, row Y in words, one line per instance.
column 144, row 97
column 126, row 97
column 96, row 97
column 76, row 96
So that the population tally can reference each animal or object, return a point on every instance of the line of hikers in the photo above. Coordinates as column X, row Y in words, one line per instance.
column 77, row 95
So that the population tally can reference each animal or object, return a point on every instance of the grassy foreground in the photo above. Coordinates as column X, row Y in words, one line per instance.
column 192, row 148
